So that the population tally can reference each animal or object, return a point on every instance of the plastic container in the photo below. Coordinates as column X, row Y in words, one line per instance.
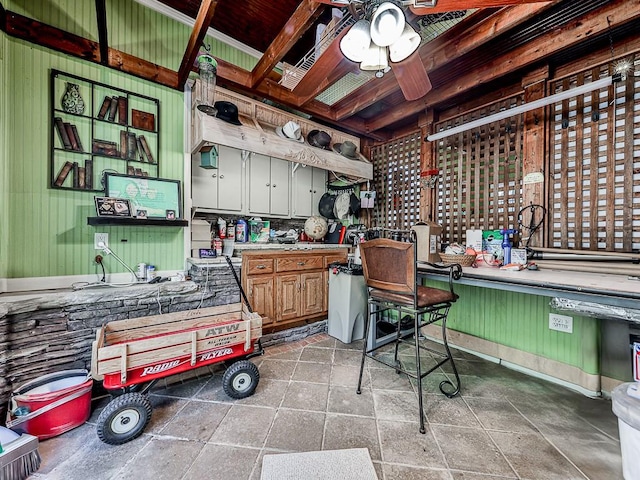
column 52, row 404
column 242, row 231
column 626, row 406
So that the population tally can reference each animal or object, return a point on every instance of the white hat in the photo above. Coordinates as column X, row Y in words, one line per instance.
column 290, row 131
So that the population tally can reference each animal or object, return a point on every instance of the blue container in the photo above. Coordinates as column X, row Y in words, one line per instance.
column 242, row 231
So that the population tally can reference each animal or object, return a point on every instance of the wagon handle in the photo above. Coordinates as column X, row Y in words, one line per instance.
column 235, row 275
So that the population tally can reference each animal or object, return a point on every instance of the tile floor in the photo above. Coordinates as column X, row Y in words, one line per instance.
column 504, row 425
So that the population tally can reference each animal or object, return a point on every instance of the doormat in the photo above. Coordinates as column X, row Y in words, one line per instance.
column 350, row 464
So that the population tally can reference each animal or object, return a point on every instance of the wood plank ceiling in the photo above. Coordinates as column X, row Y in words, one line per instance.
column 488, row 49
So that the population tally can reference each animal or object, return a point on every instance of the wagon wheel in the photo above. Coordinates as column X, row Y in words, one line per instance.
column 124, row 418
column 240, row 379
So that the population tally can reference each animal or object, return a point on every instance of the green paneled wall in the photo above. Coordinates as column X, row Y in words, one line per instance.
column 4, row 188
column 521, row 321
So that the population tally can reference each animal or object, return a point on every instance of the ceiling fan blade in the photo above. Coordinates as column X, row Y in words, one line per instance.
column 453, row 5
column 335, row 3
column 412, row 77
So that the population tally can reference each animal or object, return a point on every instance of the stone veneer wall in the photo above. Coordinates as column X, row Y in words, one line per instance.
column 51, row 332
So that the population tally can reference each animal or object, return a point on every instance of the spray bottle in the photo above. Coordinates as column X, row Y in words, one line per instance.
column 506, row 244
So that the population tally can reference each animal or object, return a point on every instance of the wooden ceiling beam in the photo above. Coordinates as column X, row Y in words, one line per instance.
column 453, row 5
column 613, row 13
column 203, row 20
column 25, row 28
column 304, row 16
column 470, row 33
column 103, row 37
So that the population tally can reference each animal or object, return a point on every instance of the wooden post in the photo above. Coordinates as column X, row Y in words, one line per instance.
column 533, row 164
column 427, row 162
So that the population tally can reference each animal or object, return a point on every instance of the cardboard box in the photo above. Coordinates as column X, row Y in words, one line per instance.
column 200, row 230
column 492, row 242
column 259, row 231
column 474, row 239
column 428, row 237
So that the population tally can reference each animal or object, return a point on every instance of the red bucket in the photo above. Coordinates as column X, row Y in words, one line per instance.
column 52, row 404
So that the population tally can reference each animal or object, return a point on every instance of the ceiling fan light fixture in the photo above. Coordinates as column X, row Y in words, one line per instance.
column 356, row 41
column 408, row 43
column 387, row 24
column 375, row 59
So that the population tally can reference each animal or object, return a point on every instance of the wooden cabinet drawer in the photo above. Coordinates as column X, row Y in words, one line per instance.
column 335, row 257
column 296, row 264
column 257, row 266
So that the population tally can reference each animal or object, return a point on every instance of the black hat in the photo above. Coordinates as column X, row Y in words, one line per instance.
column 228, row 112
column 320, row 139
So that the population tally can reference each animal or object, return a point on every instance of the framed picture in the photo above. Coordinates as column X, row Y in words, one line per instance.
column 171, row 214
column 140, row 213
column 155, row 195
column 112, row 207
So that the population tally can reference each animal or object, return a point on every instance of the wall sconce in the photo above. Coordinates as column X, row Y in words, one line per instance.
column 381, row 36
column 205, row 94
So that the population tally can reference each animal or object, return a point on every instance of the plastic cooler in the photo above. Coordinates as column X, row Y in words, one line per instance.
column 626, row 406
column 52, row 404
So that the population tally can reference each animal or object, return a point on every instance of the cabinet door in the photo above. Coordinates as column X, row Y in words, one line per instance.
column 204, row 185
column 259, row 184
column 260, row 294
column 287, row 297
column 280, row 180
column 302, row 191
column 318, row 187
column 230, row 185
column 312, row 286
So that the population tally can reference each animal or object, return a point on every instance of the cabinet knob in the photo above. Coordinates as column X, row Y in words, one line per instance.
column 274, row 185
column 261, row 267
column 311, row 191
column 214, row 175
column 221, row 176
column 268, row 184
column 301, row 263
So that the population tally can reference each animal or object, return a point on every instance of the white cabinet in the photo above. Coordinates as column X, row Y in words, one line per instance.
column 222, row 188
column 268, row 186
column 307, row 187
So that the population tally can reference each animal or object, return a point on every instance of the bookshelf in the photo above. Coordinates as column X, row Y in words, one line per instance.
column 96, row 128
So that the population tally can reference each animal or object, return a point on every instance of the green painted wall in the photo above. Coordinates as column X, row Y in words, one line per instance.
column 45, row 231
column 521, row 321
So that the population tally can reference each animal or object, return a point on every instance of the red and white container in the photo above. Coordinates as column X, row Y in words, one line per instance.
column 52, row 404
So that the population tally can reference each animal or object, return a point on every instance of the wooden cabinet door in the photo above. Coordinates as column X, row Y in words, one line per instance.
column 259, row 184
column 312, row 289
column 230, row 185
column 204, row 185
column 287, row 297
column 318, row 187
column 260, row 293
column 280, row 180
column 302, row 190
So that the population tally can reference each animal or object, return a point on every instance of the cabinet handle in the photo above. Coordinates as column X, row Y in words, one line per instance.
column 301, row 263
column 221, row 176
column 214, row 175
column 261, row 267
column 298, row 285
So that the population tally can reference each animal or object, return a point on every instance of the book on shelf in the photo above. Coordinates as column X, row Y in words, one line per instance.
column 132, row 146
column 130, row 170
column 113, row 109
column 104, row 108
column 138, row 172
column 62, row 133
column 77, row 137
column 76, row 175
column 140, row 150
column 72, row 137
column 104, row 147
column 123, row 144
column 63, row 174
column 88, row 174
column 82, row 178
column 143, row 120
column 123, row 110
column 147, row 150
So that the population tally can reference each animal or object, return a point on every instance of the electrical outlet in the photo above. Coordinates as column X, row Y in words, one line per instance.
column 100, row 240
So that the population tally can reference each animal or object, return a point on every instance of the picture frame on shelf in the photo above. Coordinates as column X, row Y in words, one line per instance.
column 112, row 207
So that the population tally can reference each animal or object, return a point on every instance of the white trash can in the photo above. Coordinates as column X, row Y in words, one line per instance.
column 626, row 406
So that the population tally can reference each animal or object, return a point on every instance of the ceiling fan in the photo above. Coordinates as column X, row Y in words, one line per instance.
column 382, row 33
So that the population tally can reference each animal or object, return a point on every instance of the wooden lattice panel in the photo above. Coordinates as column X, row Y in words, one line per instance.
column 594, row 165
column 396, row 167
column 480, row 174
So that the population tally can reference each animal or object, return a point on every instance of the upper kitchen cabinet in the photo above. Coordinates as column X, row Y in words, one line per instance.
column 222, row 188
column 269, row 181
column 307, row 187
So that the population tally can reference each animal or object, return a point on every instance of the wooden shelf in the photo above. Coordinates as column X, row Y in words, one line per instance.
column 137, row 222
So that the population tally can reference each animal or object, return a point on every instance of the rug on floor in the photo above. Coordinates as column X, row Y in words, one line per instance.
column 349, row 464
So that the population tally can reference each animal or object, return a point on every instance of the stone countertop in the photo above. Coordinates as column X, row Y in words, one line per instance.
column 286, row 246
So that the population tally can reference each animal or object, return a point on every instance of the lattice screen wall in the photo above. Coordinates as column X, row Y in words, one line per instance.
column 480, row 174
column 396, row 167
column 594, row 199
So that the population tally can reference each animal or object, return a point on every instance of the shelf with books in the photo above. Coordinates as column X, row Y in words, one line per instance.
column 113, row 129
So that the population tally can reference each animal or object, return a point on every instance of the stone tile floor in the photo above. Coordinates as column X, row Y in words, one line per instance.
column 504, row 425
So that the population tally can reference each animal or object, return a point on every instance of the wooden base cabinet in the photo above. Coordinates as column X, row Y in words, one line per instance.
column 288, row 288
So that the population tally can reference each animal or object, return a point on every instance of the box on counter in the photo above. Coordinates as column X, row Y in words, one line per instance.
column 428, row 241
column 259, row 231
column 200, row 231
column 492, row 242
column 474, row 240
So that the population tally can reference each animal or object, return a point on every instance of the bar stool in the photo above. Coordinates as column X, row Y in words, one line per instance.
column 391, row 276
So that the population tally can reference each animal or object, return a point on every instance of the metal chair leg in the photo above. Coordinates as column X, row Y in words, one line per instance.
column 416, row 336
column 367, row 326
column 456, row 390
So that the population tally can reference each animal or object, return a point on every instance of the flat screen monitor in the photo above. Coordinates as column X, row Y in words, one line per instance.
column 149, row 197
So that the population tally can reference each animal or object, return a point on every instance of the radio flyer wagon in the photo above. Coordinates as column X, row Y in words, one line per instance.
column 129, row 356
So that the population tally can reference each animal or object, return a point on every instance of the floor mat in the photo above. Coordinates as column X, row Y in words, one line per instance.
column 350, row 464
